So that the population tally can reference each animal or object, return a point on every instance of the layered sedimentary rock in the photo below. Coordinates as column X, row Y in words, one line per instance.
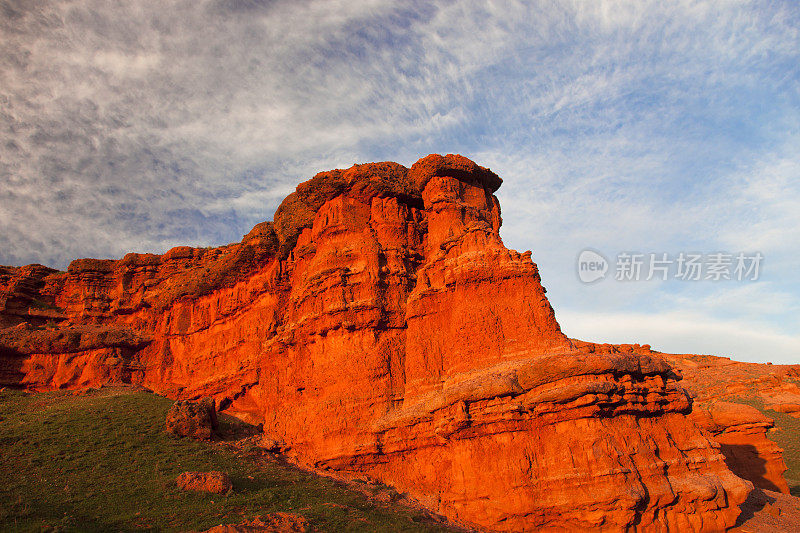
column 379, row 327
column 718, row 386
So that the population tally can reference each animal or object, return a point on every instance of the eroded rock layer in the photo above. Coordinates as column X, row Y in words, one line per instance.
column 379, row 327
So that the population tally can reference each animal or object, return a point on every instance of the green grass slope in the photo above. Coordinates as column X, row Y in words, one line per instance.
column 102, row 462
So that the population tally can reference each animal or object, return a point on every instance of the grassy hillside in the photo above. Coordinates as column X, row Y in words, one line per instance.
column 102, row 462
column 788, row 438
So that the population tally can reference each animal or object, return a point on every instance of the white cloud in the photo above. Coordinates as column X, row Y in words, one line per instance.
column 650, row 126
column 685, row 332
column 754, row 301
column 764, row 213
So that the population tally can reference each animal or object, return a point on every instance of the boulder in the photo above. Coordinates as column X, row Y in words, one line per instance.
column 269, row 444
column 197, row 420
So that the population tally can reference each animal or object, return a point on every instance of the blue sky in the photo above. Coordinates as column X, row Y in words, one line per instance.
column 641, row 126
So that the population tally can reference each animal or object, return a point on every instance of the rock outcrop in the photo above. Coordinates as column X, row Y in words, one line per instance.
column 379, row 327
column 721, row 390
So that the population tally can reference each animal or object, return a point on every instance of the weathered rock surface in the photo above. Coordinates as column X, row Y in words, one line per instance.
column 709, row 377
column 379, row 327
column 716, row 385
column 197, row 420
column 215, row 482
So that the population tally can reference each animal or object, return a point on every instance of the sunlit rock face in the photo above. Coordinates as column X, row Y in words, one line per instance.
column 719, row 387
column 379, row 327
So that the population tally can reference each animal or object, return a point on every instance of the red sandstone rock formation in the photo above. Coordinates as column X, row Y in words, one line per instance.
column 709, row 377
column 715, row 383
column 378, row 327
column 740, row 430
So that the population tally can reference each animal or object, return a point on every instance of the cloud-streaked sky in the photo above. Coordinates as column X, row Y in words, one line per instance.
column 641, row 126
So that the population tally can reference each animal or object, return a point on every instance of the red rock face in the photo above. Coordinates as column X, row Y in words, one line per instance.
column 379, row 327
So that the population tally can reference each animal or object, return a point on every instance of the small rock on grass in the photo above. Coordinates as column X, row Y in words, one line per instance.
column 215, row 482
column 269, row 444
column 271, row 523
column 197, row 420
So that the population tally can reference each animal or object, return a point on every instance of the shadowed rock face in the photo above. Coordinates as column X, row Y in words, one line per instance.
column 378, row 327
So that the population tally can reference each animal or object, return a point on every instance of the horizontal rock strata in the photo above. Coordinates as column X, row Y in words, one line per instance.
column 379, row 327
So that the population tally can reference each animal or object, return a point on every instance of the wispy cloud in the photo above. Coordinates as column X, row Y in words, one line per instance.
column 687, row 332
column 651, row 126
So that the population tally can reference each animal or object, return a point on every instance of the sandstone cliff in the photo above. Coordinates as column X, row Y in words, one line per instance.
column 379, row 327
